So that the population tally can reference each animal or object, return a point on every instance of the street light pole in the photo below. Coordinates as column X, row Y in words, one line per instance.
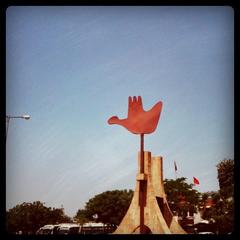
column 25, row 116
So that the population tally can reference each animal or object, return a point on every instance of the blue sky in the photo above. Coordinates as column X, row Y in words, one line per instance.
column 71, row 68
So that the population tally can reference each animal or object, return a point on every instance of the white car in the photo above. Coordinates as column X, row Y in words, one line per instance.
column 47, row 229
column 68, row 228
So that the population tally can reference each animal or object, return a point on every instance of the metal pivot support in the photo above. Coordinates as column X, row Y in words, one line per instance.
column 142, row 185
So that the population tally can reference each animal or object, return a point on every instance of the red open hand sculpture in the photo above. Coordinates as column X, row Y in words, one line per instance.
column 138, row 120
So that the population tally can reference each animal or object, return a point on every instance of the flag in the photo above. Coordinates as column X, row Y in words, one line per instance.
column 175, row 166
column 195, row 180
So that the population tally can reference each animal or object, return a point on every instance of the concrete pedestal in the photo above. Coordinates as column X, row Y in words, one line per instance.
column 157, row 216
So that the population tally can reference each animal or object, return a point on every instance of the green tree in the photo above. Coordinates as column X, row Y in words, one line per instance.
column 110, row 207
column 226, row 177
column 215, row 208
column 222, row 210
column 225, row 221
column 29, row 217
column 81, row 216
column 181, row 196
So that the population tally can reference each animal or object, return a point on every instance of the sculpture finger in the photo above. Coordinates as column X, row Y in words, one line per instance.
column 140, row 102
column 134, row 99
column 129, row 102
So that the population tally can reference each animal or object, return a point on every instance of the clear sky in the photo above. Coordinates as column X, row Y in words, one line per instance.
column 71, row 68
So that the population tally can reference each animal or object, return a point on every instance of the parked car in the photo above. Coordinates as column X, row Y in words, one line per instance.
column 47, row 229
column 68, row 228
column 96, row 228
column 74, row 228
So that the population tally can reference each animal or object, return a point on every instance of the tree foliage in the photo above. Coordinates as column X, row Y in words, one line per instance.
column 110, row 207
column 29, row 217
column 181, row 196
column 226, row 177
column 221, row 212
column 223, row 209
column 82, row 216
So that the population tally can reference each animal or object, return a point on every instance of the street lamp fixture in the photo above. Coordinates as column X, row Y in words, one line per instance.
column 24, row 116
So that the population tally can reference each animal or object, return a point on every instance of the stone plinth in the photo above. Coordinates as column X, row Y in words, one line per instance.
column 158, row 218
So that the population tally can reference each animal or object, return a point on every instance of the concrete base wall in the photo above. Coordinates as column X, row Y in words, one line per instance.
column 158, row 218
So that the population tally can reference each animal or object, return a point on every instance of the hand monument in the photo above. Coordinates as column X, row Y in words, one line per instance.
column 138, row 120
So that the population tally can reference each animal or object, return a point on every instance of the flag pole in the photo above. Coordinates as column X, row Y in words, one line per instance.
column 141, row 187
column 175, row 168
